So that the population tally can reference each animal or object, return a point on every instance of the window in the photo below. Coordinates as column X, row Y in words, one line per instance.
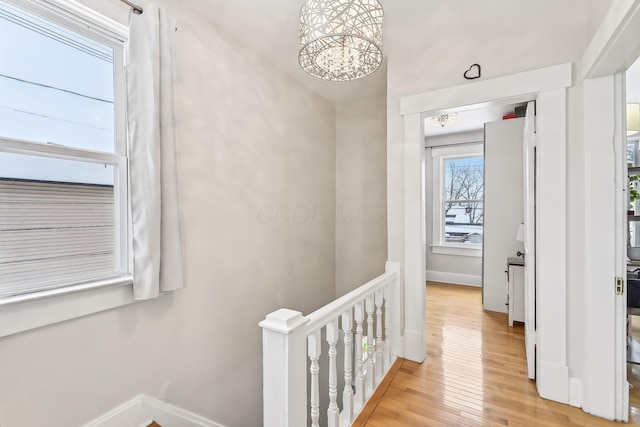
column 462, row 204
column 458, row 194
column 63, row 166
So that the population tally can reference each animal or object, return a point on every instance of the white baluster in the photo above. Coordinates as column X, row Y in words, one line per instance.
column 347, row 394
column 369, row 378
column 358, row 310
column 314, row 350
column 379, row 342
column 387, row 328
column 333, row 412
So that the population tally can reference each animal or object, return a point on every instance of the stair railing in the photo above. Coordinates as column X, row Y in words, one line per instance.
column 364, row 325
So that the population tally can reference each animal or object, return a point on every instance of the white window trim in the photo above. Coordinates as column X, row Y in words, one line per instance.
column 77, row 13
column 438, row 155
column 37, row 309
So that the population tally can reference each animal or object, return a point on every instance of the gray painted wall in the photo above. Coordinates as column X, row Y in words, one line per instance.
column 257, row 151
column 361, row 194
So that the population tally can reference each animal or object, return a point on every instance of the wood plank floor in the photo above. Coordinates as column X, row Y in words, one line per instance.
column 474, row 375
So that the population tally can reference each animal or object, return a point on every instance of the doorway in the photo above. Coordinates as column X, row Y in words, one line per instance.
column 454, row 194
column 548, row 87
column 455, row 176
column 480, row 168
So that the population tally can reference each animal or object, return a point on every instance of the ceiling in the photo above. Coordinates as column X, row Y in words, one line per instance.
column 270, row 27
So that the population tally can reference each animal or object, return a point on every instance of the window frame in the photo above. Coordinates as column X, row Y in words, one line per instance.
column 42, row 307
column 438, row 157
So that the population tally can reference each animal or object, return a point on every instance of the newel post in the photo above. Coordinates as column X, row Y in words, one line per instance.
column 284, row 355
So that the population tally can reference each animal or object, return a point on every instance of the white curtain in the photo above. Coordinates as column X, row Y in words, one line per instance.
column 155, row 209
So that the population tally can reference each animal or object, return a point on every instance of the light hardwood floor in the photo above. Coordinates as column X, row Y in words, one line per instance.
column 474, row 375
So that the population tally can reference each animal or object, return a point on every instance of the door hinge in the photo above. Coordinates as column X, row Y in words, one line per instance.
column 619, row 286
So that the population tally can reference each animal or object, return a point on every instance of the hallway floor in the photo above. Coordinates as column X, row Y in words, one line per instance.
column 474, row 375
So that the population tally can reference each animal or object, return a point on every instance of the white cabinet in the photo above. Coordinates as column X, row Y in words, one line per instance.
column 515, row 289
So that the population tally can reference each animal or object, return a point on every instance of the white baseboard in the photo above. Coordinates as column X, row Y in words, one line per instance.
column 142, row 409
column 123, row 415
column 575, row 392
column 454, row 278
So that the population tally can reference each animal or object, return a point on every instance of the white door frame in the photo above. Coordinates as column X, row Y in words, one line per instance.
column 529, row 168
column 614, row 48
column 548, row 87
column 600, row 248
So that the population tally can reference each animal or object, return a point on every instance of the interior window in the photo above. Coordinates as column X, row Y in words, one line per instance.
column 458, row 199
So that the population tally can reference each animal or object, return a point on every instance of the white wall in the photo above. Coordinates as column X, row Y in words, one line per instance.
column 252, row 143
column 361, row 193
column 453, row 269
column 418, row 72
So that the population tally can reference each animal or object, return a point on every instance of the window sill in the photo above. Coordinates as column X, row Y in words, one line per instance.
column 23, row 313
column 458, row 250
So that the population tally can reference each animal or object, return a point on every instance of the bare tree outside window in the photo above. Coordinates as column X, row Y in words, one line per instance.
column 463, row 199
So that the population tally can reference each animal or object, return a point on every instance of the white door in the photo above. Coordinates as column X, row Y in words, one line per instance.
column 530, row 238
column 503, row 207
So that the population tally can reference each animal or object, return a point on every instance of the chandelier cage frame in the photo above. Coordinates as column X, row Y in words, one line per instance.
column 340, row 40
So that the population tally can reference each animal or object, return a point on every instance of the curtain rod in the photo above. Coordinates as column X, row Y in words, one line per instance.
column 136, row 9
